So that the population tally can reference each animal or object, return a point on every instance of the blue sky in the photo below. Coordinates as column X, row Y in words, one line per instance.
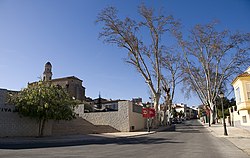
column 64, row 32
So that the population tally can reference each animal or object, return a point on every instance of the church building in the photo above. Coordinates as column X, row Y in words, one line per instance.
column 72, row 84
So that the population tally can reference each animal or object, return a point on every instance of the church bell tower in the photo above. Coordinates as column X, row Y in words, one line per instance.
column 47, row 74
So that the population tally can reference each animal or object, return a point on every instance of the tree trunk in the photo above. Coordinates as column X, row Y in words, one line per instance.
column 156, row 104
column 208, row 113
column 171, row 111
column 41, row 127
column 209, row 118
column 214, row 114
column 168, row 102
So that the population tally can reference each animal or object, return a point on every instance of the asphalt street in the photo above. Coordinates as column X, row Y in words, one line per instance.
column 189, row 140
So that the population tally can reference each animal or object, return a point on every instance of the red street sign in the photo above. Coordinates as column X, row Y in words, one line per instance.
column 145, row 112
column 148, row 112
column 151, row 112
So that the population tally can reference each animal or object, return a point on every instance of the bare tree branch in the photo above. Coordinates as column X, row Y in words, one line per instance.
column 128, row 34
column 211, row 58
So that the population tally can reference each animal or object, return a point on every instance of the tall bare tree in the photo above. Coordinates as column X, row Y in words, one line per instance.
column 142, row 40
column 212, row 58
column 171, row 69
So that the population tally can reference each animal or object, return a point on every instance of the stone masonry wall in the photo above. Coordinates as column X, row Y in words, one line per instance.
column 11, row 124
column 121, row 120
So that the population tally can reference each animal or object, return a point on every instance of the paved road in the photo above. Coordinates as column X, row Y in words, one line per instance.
column 190, row 140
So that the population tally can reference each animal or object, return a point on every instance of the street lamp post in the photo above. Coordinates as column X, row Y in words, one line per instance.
column 223, row 115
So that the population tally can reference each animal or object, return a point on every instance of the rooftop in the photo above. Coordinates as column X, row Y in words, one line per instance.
column 63, row 78
column 245, row 74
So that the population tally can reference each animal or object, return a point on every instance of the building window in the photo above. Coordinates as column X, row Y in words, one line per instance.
column 248, row 91
column 244, row 119
column 238, row 97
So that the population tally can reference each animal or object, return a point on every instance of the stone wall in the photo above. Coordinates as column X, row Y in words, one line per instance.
column 124, row 119
column 79, row 126
column 11, row 124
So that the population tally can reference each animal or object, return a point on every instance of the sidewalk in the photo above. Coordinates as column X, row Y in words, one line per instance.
column 133, row 134
column 238, row 136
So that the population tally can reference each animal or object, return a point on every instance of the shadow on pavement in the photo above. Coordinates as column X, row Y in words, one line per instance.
column 192, row 126
column 190, row 131
column 97, row 141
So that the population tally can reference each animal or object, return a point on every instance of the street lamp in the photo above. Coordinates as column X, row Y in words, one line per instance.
column 223, row 115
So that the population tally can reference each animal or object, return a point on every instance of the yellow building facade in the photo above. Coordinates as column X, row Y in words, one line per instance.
column 241, row 113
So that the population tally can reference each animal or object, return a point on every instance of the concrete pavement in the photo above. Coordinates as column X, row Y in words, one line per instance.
column 24, row 141
column 238, row 136
column 189, row 140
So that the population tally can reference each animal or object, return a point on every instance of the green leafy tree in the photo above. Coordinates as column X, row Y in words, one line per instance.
column 226, row 105
column 175, row 113
column 43, row 102
column 181, row 114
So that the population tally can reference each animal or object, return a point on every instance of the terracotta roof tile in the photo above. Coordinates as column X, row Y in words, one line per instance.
column 64, row 78
column 245, row 74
